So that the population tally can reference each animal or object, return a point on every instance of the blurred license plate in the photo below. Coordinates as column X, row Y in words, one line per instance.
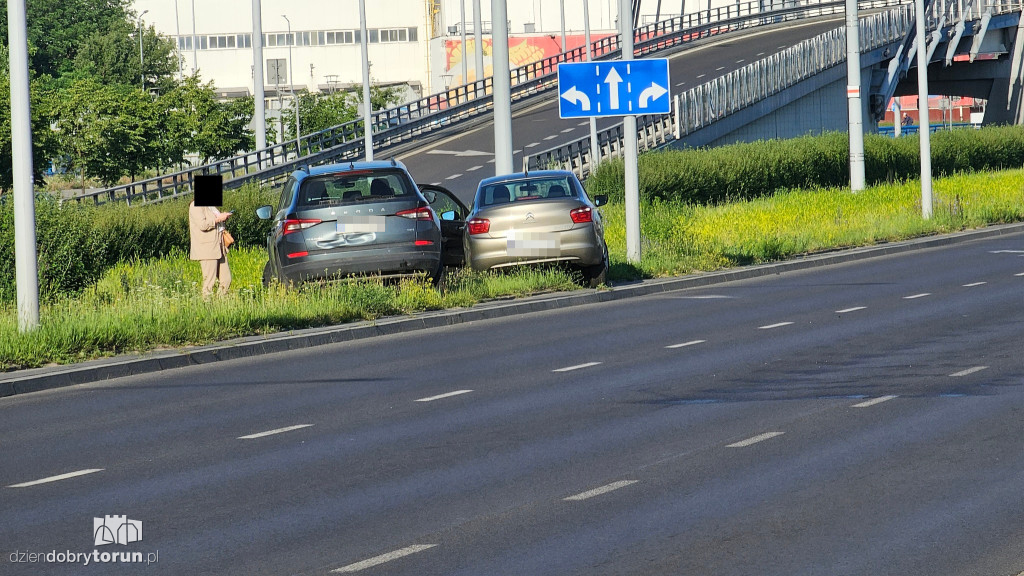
column 360, row 224
column 533, row 244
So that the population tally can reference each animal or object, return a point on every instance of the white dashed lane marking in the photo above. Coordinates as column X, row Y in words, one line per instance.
column 383, row 558
column 915, row 296
column 873, row 401
column 56, row 478
column 567, row 130
column 473, row 169
column 276, row 431
column 685, row 344
column 770, row 326
column 973, row 284
column 576, row 367
column 854, row 309
column 602, row 490
column 755, row 440
column 446, row 395
column 968, row 371
column 552, row 137
column 454, row 176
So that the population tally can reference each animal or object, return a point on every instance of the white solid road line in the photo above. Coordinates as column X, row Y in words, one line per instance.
column 968, row 371
column 973, row 284
column 56, row 478
column 272, row 432
column 383, row 558
column 685, row 344
column 576, row 367
column 873, row 401
column 602, row 490
column 755, row 440
column 770, row 326
column 854, row 309
column 921, row 295
column 446, row 395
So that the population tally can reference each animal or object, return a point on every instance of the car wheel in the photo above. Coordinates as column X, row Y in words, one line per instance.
column 597, row 274
column 268, row 276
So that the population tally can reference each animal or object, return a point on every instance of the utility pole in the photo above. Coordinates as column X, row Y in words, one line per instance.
column 561, row 4
column 630, row 145
column 25, row 267
column 924, row 122
column 142, row 60
column 291, row 88
column 595, row 146
column 502, row 91
column 478, row 39
column 465, row 47
column 367, row 105
column 259, row 117
column 853, row 86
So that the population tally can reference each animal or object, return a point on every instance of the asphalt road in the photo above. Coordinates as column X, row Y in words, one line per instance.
column 859, row 419
column 460, row 162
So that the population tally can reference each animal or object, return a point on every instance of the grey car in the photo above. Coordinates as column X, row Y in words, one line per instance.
column 356, row 218
column 536, row 218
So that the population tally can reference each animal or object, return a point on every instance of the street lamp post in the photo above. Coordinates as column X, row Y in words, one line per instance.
column 142, row 60
column 291, row 88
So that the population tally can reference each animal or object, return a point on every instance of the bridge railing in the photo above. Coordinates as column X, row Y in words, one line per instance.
column 409, row 121
column 703, row 105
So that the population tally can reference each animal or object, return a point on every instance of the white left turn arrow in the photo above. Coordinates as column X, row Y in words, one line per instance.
column 576, row 97
column 652, row 93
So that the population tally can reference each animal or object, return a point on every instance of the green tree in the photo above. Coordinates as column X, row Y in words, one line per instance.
column 57, row 29
column 194, row 121
column 112, row 56
column 107, row 131
column 319, row 111
column 43, row 141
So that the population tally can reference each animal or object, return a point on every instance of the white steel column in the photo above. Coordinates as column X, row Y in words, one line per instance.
column 630, row 145
column 478, row 39
column 924, row 122
column 853, row 88
column 367, row 105
column 25, row 265
column 595, row 145
column 503, row 160
column 259, row 118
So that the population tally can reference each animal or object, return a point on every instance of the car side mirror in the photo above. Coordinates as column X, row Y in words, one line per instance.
column 449, row 215
column 600, row 200
column 264, row 212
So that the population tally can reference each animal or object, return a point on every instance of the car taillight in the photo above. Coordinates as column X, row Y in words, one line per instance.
column 421, row 213
column 298, row 254
column 478, row 226
column 293, row 225
column 581, row 215
column 423, row 243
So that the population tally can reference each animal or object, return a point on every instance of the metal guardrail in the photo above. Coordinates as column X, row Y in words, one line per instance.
column 439, row 111
column 702, row 105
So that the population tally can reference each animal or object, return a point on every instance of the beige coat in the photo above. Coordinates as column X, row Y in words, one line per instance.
column 207, row 243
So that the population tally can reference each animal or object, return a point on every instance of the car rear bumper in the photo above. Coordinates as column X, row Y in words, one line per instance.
column 393, row 261
column 580, row 247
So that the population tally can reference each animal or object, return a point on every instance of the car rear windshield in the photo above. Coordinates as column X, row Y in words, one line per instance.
column 354, row 187
column 525, row 190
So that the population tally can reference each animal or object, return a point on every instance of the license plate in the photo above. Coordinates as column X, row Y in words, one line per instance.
column 533, row 245
column 361, row 224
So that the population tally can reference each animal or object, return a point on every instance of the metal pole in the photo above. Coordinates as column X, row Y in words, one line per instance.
column 630, row 146
column 291, row 88
column 367, row 105
column 196, row 41
column 177, row 41
column 856, row 113
column 259, row 117
column 142, row 60
column 561, row 4
column 25, row 267
column 595, row 145
column 478, row 39
column 465, row 47
column 924, row 122
column 502, row 89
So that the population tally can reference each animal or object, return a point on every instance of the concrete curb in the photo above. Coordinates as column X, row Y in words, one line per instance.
column 38, row 379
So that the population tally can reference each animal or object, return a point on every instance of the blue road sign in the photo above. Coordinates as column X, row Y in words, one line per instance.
column 617, row 88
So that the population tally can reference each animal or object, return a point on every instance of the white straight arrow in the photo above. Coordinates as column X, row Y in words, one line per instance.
column 652, row 93
column 613, row 81
column 576, row 97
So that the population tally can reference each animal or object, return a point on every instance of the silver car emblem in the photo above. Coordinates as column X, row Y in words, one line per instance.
column 529, row 217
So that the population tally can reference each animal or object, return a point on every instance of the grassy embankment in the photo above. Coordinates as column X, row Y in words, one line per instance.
column 142, row 304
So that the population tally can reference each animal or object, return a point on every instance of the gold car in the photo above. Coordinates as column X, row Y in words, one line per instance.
column 536, row 218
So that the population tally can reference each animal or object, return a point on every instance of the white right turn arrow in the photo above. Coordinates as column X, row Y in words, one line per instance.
column 576, row 97
column 652, row 93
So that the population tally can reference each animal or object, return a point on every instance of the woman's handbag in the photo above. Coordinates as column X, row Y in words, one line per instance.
column 228, row 239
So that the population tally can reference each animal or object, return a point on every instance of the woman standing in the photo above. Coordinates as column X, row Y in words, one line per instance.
column 206, row 232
